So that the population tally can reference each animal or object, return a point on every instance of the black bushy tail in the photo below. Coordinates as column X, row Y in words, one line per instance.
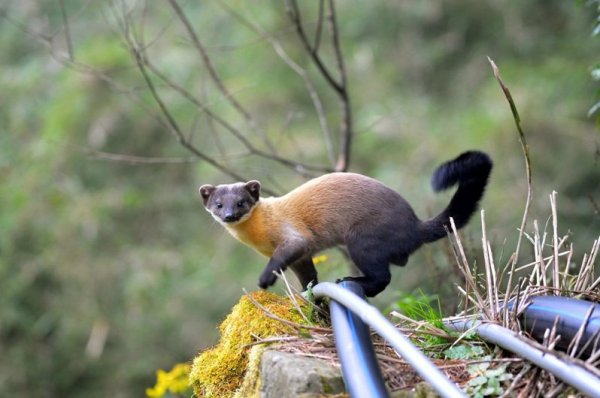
column 471, row 171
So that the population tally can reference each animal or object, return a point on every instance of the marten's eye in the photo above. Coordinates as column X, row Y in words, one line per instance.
column 219, row 205
column 240, row 203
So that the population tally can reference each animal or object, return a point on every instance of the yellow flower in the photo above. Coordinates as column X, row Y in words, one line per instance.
column 174, row 381
column 319, row 259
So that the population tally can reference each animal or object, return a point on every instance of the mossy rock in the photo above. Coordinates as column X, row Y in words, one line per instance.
column 220, row 371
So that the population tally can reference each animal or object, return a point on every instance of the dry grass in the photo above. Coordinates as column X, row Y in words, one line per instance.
column 550, row 271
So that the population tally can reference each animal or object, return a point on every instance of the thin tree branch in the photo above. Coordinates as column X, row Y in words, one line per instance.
column 207, row 61
column 172, row 124
column 63, row 14
column 167, row 121
column 340, row 87
column 299, row 167
column 138, row 160
column 346, row 118
column 294, row 15
column 215, row 76
column 143, row 63
column 336, row 46
column 317, row 42
column 310, row 88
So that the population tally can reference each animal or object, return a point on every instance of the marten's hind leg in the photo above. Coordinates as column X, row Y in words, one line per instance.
column 374, row 266
column 305, row 272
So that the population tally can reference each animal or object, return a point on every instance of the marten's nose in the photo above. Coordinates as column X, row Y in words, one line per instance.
column 229, row 217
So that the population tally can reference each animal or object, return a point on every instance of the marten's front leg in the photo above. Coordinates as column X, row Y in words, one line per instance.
column 284, row 255
column 305, row 272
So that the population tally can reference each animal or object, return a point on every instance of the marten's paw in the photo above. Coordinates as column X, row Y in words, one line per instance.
column 267, row 279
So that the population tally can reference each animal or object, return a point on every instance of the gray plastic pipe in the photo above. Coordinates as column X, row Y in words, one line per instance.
column 569, row 372
column 411, row 354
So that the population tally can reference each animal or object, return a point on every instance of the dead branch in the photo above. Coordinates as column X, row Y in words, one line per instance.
column 138, row 160
column 304, row 169
column 171, row 122
column 67, row 30
column 525, row 149
column 47, row 41
column 207, row 61
column 339, row 85
column 296, row 68
column 155, row 81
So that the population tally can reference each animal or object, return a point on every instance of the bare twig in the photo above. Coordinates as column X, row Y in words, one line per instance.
column 138, row 160
column 170, row 120
column 207, row 60
column 214, row 75
column 574, row 344
column 65, row 19
column 469, row 279
column 525, row 149
column 292, row 297
column 556, row 273
column 304, row 169
column 300, row 71
column 294, row 325
column 295, row 16
column 346, row 120
column 340, row 85
column 319, row 28
column 492, row 287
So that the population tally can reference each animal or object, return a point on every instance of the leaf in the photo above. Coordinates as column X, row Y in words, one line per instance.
column 495, row 372
column 463, row 351
column 491, row 391
column 478, row 381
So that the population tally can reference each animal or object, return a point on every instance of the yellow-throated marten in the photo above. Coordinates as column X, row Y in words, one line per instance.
column 374, row 222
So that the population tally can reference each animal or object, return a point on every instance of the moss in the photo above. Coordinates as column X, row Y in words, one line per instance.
column 251, row 385
column 219, row 371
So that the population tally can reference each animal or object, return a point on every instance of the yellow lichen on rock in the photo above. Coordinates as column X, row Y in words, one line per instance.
column 219, row 371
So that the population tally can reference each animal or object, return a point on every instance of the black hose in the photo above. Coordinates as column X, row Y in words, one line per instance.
column 569, row 314
column 353, row 342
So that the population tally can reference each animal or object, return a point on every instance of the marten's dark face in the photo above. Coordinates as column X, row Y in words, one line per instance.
column 230, row 203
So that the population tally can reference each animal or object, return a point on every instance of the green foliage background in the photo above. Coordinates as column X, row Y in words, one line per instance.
column 91, row 247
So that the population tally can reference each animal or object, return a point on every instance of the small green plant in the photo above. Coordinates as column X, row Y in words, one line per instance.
column 464, row 352
column 487, row 381
column 310, row 297
column 419, row 307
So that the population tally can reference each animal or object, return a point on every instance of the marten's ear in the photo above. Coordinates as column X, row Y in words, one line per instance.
column 254, row 188
column 205, row 192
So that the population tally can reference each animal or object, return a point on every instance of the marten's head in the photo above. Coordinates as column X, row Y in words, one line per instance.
column 230, row 203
